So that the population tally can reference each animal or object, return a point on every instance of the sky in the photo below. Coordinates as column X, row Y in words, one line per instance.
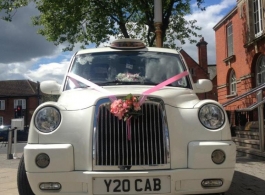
column 24, row 54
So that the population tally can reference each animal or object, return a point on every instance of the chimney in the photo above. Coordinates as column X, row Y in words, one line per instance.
column 202, row 54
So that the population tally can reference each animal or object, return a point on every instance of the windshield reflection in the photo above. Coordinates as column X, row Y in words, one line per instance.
column 128, row 67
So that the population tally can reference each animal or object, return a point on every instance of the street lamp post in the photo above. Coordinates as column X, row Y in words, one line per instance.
column 158, row 22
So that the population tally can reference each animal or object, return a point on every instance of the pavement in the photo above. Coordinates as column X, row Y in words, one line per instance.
column 8, row 174
column 249, row 177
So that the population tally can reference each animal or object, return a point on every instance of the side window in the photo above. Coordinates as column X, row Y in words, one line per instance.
column 232, row 83
column 229, row 37
column 2, row 104
column 20, row 102
column 260, row 70
column 257, row 15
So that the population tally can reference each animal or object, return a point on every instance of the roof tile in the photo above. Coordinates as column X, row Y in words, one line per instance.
column 18, row 88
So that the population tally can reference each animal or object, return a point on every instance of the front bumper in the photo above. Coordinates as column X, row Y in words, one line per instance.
column 182, row 180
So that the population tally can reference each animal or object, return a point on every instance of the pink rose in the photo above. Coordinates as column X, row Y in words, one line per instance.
column 125, row 106
column 119, row 108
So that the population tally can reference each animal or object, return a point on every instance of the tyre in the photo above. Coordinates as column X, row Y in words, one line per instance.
column 22, row 180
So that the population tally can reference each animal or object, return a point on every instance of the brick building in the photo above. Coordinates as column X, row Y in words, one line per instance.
column 14, row 93
column 202, row 70
column 240, row 58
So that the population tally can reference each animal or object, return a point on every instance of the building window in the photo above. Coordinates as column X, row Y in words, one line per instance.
column 260, row 70
column 1, row 120
column 257, row 13
column 232, row 82
column 229, row 34
column 2, row 104
column 20, row 102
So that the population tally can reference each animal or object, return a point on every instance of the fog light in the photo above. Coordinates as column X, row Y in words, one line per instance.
column 218, row 156
column 212, row 182
column 42, row 160
column 50, row 186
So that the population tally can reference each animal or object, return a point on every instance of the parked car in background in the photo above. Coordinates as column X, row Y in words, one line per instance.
column 3, row 133
column 22, row 135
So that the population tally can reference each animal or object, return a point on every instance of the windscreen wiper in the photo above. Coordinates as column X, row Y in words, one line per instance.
column 125, row 83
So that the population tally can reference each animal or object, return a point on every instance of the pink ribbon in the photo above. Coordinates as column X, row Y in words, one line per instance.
column 91, row 84
column 113, row 98
column 160, row 85
column 128, row 127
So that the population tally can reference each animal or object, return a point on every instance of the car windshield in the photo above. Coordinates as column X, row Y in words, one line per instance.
column 4, row 128
column 127, row 68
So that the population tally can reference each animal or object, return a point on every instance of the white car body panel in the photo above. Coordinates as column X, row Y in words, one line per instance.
column 83, row 98
column 64, row 161
column 198, row 153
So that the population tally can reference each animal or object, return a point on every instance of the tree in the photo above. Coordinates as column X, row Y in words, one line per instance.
column 9, row 7
column 47, row 97
column 95, row 21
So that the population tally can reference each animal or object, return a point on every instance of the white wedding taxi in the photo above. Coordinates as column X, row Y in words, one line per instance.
column 127, row 121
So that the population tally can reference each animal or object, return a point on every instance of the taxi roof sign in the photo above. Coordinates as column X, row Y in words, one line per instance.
column 127, row 44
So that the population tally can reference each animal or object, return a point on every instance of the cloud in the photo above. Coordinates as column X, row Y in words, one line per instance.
column 13, row 71
column 22, row 49
column 52, row 71
column 19, row 39
column 207, row 20
column 47, row 71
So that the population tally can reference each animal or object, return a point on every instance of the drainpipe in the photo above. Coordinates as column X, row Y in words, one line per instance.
column 261, row 121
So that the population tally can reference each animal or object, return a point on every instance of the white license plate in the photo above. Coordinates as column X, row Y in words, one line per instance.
column 132, row 185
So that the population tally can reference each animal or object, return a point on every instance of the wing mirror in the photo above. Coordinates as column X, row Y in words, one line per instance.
column 50, row 87
column 203, row 85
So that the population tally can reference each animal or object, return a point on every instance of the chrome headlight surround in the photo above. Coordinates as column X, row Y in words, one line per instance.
column 47, row 119
column 211, row 116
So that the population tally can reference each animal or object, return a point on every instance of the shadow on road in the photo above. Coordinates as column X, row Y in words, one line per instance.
column 245, row 184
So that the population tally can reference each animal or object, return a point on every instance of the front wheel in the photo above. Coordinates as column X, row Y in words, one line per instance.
column 22, row 180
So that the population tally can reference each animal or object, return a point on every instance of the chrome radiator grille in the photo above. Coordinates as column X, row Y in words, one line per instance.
column 144, row 143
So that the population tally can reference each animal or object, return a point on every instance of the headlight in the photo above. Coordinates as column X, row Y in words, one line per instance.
column 211, row 116
column 47, row 119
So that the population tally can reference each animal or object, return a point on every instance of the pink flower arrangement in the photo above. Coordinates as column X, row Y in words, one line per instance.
column 125, row 109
